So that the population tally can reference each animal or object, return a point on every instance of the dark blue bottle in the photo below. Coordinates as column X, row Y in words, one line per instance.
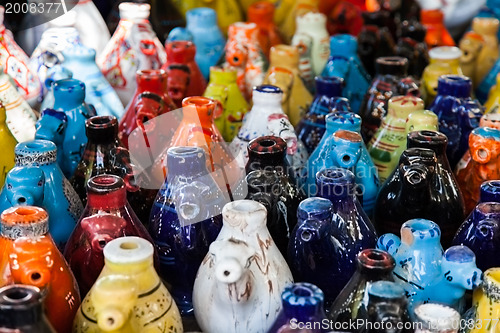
column 490, row 191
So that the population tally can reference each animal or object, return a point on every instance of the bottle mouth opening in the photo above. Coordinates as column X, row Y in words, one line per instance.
column 68, row 84
column 184, row 151
column 392, row 61
column 151, row 73
column 18, row 294
column 374, row 258
column 268, row 89
column 39, row 145
column 197, row 101
column 105, row 183
column 302, row 291
column 99, row 122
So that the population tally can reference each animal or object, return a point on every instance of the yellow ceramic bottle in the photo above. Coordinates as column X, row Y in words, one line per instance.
column 485, row 309
column 284, row 73
column 7, row 145
column 443, row 60
column 471, row 45
column 493, row 102
column 487, row 28
column 128, row 296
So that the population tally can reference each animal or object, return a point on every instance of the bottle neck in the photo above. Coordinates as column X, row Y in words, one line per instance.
column 20, row 306
column 112, row 200
column 127, row 268
column 152, row 82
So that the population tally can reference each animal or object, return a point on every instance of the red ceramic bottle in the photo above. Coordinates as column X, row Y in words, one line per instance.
column 437, row 34
column 107, row 216
column 184, row 77
column 262, row 13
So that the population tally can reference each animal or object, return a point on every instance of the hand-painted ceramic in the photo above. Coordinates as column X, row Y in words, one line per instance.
column 240, row 274
column 54, row 73
column 302, row 302
column 490, row 191
column 223, row 88
column 80, row 60
column 434, row 317
column 30, row 256
column 437, row 34
column 134, row 46
column 244, row 53
column 7, row 145
column 458, row 114
column 426, row 274
column 345, row 63
column 411, row 45
column 20, row 117
column 128, row 296
column 479, row 163
column 413, row 191
column 38, row 180
column 15, row 63
column 185, row 219
column 312, row 126
column 207, row 36
column 284, row 73
column 487, row 28
column 303, row 43
column 443, row 60
column 22, row 310
column 261, row 13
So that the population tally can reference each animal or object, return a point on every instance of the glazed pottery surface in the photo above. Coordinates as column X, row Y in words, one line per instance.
column 490, row 191
column 261, row 13
column 487, row 28
column 303, row 43
column 437, row 34
column 7, row 145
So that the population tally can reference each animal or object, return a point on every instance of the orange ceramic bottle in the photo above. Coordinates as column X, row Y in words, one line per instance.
column 262, row 13
column 28, row 255
column 437, row 35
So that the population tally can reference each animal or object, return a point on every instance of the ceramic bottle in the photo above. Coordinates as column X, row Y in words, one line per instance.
column 180, row 58
column 372, row 266
column 490, row 191
column 443, row 60
column 7, row 145
column 366, row 173
column 284, row 73
column 411, row 45
column 243, row 52
column 311, row 127
column 67, row 130
column 223, row 88
column 287, row 19
column 303, row 43
column 15, row 63
column 107, row 216
column 437, row 34
column 390, row 81
column 38, row 180
column 21, row 309
column 433, row 317
column 20, row 117
column 302, row 303
column 345, row 63
column 239, row 275
column 128, row 296
column 185, row 219
column 458, row 114
column 487, row 28
column 470, row 45
column 387, row 144
column 31, row 257
column 268, row 152
column 54, row 73
column 134, row 46
column 262, row 14
column 80, row 60
column 412, row 191
column 207, row 36
column 314, row 25
column 479, row 163
column 426, row 274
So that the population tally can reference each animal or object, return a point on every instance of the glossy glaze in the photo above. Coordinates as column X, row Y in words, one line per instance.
column 7, row 145
column 490, row 191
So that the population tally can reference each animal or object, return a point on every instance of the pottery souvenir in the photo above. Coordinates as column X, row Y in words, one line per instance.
column 284, row 73
column 389, row 141
column 261, row 13
column 20, row 117
column 69, row 95
column 411, row 45
column 7, row 145
column 487, row 28
column 38, row 180
column 54, row 73
column 390, row 81
column 185, row 219
column 434, row 317
column 207, row 37
column 426, row 274
column 128, row 296
column 180, row 56
column 314, row 25
column 239, row 275
column 443, row 60
column 243, row 52
column 31, row 257
column 80, row 60
column 470, row 45
column 458, row 114
column 437, row 34
column 15, row 63
column 479, row 163
column 345, row 63
column 311, row 127
column 413, row 190
column 303, row 43
column 490, row 191
column 134, row 46
column 224, row 88
column 22, row 309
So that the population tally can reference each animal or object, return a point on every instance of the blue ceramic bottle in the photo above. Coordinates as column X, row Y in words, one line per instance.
column 185, row 219
column 490, row 191
column 458, row 114
column 481, row 233
column 426, row 274
column 311, row 127
column 58, row 198
column 302, row 303
column 69, row 97
column 80, row 60
column 55, row 73
column 344, row 62
column 207, row 37
column 365, row 171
